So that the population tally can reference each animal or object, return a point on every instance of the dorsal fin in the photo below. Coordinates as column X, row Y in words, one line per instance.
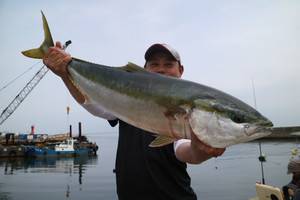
column 131, row 67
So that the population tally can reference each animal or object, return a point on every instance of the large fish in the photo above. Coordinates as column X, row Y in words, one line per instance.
column 170, row 107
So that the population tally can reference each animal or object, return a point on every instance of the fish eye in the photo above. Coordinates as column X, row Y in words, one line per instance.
column 236, row 118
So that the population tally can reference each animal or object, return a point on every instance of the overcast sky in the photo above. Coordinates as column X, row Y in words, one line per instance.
column 223, row 44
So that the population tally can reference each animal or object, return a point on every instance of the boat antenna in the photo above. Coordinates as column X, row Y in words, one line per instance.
column 261, row 157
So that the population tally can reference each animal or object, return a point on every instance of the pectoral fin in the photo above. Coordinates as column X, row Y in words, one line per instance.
column 161, row 141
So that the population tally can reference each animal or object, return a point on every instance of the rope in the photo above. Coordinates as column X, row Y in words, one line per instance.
column 12, row 81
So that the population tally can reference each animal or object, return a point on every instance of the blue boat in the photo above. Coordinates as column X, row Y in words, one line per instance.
column 66, row 149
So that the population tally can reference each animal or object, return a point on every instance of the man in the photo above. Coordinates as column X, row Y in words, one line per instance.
column 143, row 172
column 291, row 191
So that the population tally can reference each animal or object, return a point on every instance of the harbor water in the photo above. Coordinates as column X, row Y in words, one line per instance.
column 229, row 177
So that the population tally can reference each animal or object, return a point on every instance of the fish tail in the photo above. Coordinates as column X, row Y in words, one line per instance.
column 48, row 42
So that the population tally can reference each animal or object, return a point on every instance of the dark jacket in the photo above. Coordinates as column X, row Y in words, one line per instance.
column 143, row 172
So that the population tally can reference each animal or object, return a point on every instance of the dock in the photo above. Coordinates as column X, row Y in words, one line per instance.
column 284, row 133
column 34, row 145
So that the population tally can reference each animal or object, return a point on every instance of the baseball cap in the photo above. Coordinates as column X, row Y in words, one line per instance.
column 160, row 47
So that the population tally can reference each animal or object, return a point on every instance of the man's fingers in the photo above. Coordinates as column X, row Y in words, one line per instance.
column 55, row 54
column 204, row 147
column 67, row 59
column 213, row 151
column 58, row 44
column 208, row 149
column 218, row 152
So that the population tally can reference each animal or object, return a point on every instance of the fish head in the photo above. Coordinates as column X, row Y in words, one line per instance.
column 256, row 129
column 236, row 111
column 220, row 125
column 253, row 124
column 250, row 118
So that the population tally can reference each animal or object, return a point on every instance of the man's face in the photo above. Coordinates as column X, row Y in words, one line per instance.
column 163, row 63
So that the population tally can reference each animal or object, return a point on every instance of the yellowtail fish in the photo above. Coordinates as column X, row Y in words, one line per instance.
column 170, row 107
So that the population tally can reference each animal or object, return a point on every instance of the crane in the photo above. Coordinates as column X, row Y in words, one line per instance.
column 26, row 90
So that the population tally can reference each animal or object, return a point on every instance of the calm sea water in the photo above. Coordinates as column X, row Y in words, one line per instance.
column 230, row 177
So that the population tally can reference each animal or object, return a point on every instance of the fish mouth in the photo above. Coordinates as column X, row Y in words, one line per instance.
column 264, row 124
column 263, row 130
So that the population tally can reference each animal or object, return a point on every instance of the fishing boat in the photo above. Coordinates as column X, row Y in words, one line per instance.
column 267, row 192
column 70, row 147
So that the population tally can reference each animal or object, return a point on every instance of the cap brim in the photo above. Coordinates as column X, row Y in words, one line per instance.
column 160, row 48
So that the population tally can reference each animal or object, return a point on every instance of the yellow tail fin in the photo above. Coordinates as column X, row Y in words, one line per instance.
column 48, row 42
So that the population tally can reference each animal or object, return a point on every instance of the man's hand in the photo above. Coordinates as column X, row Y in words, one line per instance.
column 56, row 59
column 195, row 151
column 198, row 147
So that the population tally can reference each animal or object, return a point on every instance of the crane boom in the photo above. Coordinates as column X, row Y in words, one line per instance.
column 25, row 91
column 23, row 94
